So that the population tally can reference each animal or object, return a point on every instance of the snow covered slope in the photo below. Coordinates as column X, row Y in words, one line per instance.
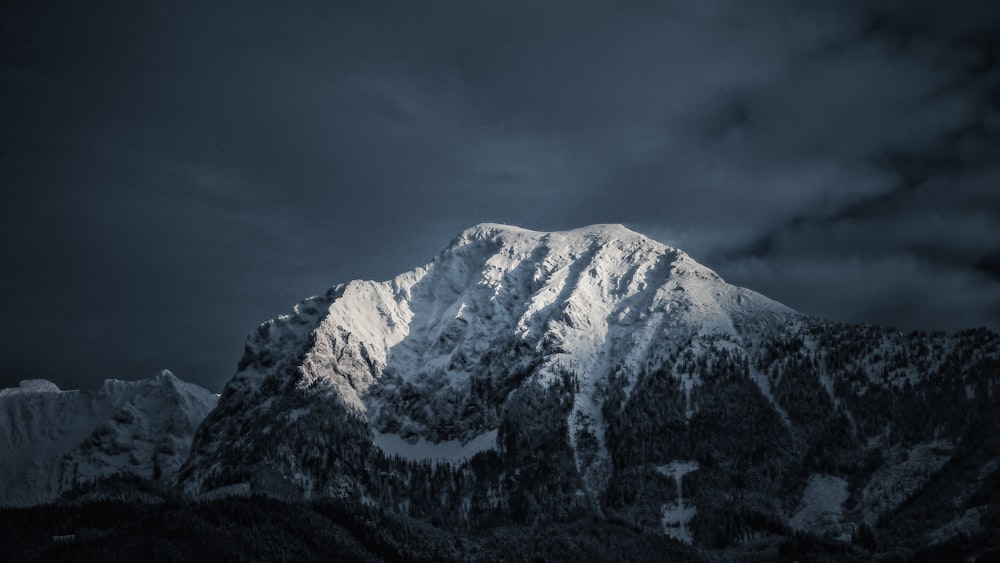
column 54, row 439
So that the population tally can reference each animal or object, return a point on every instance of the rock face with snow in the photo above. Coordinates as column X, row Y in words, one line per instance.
column 53, row 440
column 525, row 376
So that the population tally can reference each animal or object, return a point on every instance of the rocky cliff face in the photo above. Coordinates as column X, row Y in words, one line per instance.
column 53, row 440
column 525, row 376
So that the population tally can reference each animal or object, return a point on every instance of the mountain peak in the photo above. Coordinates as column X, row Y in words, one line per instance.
column 166, row 376
column 32, row 386
column 483, row 230
column 606, row 230
column 583, row 237
column 502, row 233
column 499, row 309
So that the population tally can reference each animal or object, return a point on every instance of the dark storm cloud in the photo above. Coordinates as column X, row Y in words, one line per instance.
column 175, row 174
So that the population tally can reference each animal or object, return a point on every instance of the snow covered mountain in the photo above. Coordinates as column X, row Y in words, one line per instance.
column 429, row 357
column 524, row 376
column 53, row 439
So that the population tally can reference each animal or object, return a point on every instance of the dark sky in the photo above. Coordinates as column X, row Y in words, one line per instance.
column 175, row 173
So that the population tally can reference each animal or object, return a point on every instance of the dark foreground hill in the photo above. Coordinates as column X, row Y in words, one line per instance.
column 164, row 526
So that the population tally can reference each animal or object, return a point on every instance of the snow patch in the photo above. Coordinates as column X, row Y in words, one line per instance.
column 676, row 516
column 764, row 384
column 822, row 507
column 239, row 489
column 452, row 452
column 31, row 386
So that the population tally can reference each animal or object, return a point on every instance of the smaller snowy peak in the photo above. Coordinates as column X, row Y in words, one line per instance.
column 31, row 386
column 166, row 376
column 121, row 387
column 53, row 440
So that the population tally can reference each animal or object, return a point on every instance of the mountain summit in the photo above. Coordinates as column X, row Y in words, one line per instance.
column 535, row 376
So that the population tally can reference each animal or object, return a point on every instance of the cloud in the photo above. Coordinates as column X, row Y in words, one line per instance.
column 180, row 173
column 913, row 293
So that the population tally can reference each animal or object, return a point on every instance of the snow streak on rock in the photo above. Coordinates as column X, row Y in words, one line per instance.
column 677, row 515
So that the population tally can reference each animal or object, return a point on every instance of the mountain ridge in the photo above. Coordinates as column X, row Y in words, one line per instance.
column 56, row 439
